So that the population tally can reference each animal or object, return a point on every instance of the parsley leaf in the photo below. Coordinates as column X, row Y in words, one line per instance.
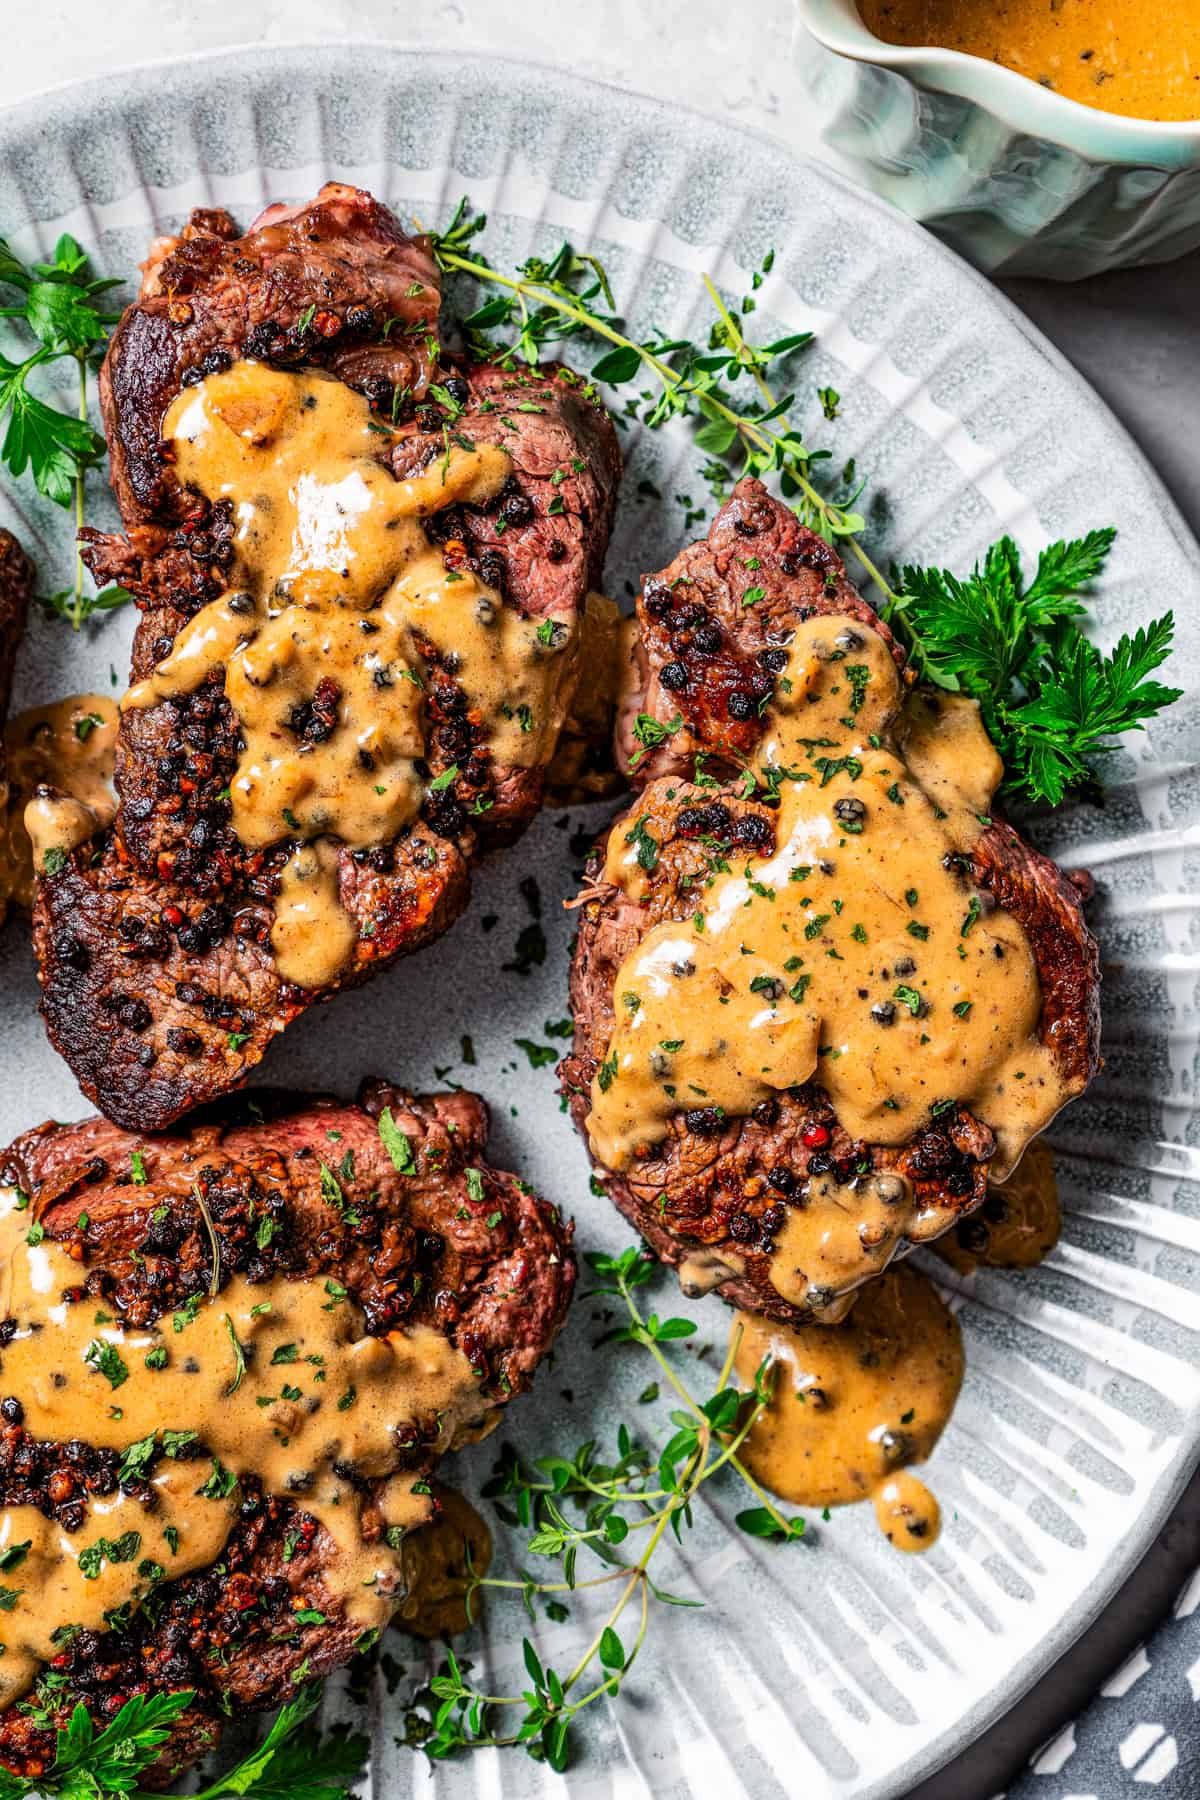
column 397, row 1143
column 106, row 1359
column 1050, row 700
column 291, row 1764
column 59, row 305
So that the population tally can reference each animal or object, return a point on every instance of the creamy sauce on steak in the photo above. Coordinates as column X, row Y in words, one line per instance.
column 440, row 1563
column 1018, row 1224
column 854, row 1404
column 275, row 1379
column 68, row 746
column 340, row 594
column 859, row 955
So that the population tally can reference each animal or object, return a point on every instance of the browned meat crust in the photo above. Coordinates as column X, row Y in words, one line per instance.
column 336, row 282
column 171, row 905
column 494, row 1273
column 727, row 1184
column 16, row 585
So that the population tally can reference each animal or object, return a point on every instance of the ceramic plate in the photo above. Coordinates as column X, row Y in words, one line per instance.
column 837, row 1668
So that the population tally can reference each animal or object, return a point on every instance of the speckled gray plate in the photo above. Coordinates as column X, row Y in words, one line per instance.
column 837, row 1668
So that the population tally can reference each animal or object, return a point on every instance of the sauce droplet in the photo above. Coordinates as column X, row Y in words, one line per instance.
column 67, row 746
column 854, row 1404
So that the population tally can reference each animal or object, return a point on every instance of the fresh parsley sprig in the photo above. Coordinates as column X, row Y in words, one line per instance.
column 1050, row 700
column 634, row 1500
column 289, row 1764
column 59, row 306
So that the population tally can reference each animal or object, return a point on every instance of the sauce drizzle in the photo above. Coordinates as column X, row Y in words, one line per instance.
column 854, row 1404
column 858, row 955
column 68, row 746
column 324, row 642
column 275, row 1379
column 1018, row 1224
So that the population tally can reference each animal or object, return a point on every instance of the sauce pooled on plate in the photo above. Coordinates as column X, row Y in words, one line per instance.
column 854, row 1404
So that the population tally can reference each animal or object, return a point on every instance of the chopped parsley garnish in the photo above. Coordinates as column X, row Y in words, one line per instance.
column 137, row 1458
column 221, row 1483
column 114, row 1550
column 647, row 847
column 107, row 1361
column 186, row 1314
column 650, row 733
column 397, row 1144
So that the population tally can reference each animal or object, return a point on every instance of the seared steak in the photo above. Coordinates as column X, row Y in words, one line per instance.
column 450, row 1245
column 159, row 986
column 16, row 585
column 313, row 284
column 716, row 1193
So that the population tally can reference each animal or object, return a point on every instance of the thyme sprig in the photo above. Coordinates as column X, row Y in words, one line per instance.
column 59, row 306
column 635, row 1500
column 1051, row 702
column 548, row 302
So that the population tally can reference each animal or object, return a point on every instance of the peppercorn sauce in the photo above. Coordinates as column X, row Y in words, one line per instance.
column 1121, row 56
column 441, row 1563
column 858, row 955
column 1018, row 1224
column 67, row 746
column 273, row 1379
column 337, row 592
column 853, row 1405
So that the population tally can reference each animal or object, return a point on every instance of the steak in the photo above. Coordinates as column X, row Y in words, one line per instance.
column 158, row 982
column 16, row 586
column 451, row 1244
column 716, row 1193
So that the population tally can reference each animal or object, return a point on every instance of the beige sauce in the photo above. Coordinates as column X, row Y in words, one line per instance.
column 583, row 768
column 853, row 956
column 55, row 824
column 439, row 1563
column 703, row 1270
column 843, row 1234
column 312, row 935
column 67, row 746
column 339, row 585
column 277, row 1379
column 1018, row 1224
column 853, row 1405
column 1122, row 56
